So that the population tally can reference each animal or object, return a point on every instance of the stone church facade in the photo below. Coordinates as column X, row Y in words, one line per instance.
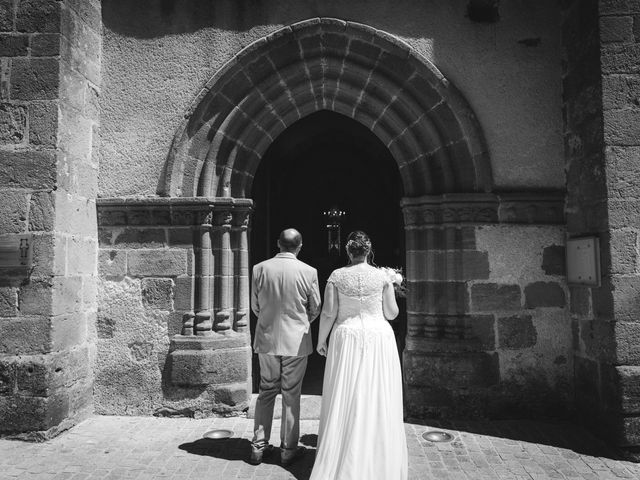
column 132, row 136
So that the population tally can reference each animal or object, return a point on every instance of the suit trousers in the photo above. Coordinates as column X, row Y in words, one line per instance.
column 279, row 374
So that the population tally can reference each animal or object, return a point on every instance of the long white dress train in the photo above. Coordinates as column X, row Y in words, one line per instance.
column 361, row 434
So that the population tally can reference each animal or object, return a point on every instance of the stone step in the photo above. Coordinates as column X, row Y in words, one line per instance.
column 309, row 407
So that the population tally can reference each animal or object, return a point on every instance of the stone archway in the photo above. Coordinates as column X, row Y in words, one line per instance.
column 328, row 64
column 368, row 76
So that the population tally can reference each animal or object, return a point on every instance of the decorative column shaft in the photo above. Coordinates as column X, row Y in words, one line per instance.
column 224, row 290
column 204, row 280
column 241, row 279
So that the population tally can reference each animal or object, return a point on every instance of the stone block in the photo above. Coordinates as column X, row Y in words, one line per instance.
column 7, row 376
column 495, row 296
column 7, row 15
column 205, row 367
column 42, row 212
column 553, row 260
column 627, row 339
column 621, row 128
column 623, row 213
column 620, row 91
column 157, row 263
column 139, row 238
column 157, row 293
column 13, row 211
column 35, row 79
column 483, row 330
column 49, row 255
column 623, row 170
column 544, row 294
column 28, row 169
column 82, row 259
column 12, row 45
column 83, row 59
column 451, row 371
column 45, row 45
column 447, row 265
column 437, row 297
column 72, row 87
column 56, row 296
column 183, row 293
column 616, row 29
column 448, row 238
column 88, row 12
column 13, row 123
column 75, row 214
column 620, row 58
column 68, row 331
column 602, row 300
column 624, row 251
column 231, row 396
column 629, row 433
column 626, row 298
column 8, row 301
column 43, row 375
column 181, row 236
column 24, row 335
column 112, row 263
column 67, row 295
column 43, row 123
column 516, row 332
column 35, row 297
column 624, row 384
column 38, row 16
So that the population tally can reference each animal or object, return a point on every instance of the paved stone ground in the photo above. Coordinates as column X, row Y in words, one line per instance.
column 174, row 448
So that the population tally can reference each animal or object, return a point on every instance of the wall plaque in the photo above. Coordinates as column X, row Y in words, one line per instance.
column 583, row 261
column 16, row 251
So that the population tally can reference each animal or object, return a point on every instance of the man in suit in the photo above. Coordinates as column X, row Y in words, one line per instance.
column 286, row 299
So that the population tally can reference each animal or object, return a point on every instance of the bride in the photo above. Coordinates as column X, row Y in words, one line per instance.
column 361, row 433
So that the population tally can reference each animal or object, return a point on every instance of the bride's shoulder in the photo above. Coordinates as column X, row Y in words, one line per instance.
column 336, row 274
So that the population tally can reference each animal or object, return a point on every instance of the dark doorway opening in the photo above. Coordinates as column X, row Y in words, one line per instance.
column 322, row 161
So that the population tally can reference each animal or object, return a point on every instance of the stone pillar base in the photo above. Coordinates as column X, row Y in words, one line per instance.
column 219, row 363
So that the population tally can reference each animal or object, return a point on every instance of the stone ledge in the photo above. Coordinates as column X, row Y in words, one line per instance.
column 546, row 208
column 176, row 211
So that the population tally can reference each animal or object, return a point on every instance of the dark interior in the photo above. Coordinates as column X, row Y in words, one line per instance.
column 326, row 160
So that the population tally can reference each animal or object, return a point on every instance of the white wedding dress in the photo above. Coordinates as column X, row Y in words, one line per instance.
column 361, row 434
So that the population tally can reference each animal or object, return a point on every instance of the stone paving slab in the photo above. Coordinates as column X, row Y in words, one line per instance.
column 140, row 448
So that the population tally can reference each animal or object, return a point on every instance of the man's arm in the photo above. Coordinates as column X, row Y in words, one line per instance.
column 255, row 307
column 313, row 306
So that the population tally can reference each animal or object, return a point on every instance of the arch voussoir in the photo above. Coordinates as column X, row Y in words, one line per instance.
column 322, row 63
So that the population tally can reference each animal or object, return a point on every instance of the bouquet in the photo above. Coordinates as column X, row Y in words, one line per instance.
column 396, row 279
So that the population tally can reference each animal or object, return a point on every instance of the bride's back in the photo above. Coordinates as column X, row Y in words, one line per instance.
column 359, row 290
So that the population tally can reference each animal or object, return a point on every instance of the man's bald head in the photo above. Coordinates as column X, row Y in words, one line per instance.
column 290, row 240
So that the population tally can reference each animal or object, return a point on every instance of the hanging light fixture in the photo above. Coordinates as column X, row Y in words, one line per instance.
column 334, row 218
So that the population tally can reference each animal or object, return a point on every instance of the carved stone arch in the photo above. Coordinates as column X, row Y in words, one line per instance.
column 328, row 64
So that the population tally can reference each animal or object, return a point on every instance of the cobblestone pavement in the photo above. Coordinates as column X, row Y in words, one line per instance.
column 174, row 448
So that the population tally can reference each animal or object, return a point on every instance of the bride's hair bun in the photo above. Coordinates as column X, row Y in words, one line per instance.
column 358, row 243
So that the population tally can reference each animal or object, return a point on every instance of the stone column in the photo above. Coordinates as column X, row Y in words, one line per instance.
column 49, row 88
column 224, row 273
column 241, row 280
column 204, row 268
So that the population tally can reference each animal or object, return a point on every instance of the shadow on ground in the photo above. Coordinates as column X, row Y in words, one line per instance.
column 554, row 434
column 239, row 449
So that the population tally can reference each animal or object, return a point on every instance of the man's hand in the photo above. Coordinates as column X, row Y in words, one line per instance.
column 322, row 349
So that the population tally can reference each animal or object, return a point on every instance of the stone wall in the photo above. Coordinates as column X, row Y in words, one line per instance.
column 149, row 275
column 488, row 328
column 158, row 55
column 49, row 84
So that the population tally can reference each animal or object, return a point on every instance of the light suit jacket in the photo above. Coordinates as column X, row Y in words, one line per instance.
column 286, row 299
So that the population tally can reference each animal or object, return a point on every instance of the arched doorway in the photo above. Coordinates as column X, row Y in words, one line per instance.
column 402, row 100
column 325, row 160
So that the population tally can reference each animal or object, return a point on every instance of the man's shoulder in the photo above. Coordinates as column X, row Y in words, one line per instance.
column 305, row 266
